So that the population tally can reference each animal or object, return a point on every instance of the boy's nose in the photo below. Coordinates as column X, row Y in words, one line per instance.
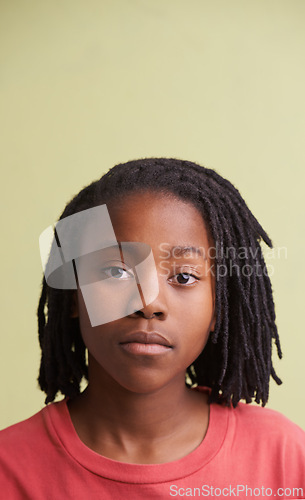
column 158, row 308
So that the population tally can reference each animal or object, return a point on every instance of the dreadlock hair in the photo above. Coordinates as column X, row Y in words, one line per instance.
column 236, row 361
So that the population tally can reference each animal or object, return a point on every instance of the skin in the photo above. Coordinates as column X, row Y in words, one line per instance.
column 136, row 407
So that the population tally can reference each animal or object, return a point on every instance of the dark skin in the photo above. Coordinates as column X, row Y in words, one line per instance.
column 137, row 408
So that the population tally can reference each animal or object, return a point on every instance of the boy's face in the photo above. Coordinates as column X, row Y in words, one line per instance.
column 153, row 346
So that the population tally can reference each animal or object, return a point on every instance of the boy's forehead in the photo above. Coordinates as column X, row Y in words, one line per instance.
column 154, row 208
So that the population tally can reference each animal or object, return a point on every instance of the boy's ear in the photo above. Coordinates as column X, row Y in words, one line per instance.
column 74, row 306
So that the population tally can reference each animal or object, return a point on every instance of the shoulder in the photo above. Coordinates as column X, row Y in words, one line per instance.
column 255, row 419
column 29, row 455
column 260, row 428
column 267, row 432
column 261, row 443
column 21, row 429
column 28, row 434
column 265, row 420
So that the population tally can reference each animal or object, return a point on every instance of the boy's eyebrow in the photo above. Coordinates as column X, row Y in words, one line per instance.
column 179, row 251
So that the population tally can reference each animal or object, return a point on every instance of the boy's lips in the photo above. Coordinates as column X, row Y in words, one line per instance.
column 142, row 342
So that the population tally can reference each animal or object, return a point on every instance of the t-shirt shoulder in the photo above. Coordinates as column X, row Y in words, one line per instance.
column 27, row 424
column 27, row 432
column 270, row 432
column 266, row 420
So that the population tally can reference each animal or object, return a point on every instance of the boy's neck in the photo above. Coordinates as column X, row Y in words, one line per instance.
column 155, row 427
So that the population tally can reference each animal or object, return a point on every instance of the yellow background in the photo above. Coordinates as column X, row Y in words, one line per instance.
column 85, row 85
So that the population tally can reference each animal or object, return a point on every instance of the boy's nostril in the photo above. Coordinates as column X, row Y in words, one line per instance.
column 141, row 313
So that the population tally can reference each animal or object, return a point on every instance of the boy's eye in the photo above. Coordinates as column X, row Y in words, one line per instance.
column 184, row 279
column 118, row 273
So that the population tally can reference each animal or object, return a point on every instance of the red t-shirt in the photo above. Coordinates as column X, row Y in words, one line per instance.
column 247, row 452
